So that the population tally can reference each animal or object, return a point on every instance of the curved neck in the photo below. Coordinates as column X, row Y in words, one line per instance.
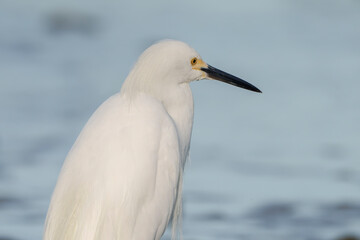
column 177, row 100
column 179, row 104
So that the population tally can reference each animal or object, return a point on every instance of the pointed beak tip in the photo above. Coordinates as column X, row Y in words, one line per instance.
column 254, row 89
column 258, row 91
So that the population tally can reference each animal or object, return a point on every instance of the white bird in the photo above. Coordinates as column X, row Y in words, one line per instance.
column 122, row 179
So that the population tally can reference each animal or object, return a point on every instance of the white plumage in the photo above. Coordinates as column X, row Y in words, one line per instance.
column 122, row 179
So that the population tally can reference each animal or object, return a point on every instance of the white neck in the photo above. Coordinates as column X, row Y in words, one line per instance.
column 176, row 97
column 180, row 106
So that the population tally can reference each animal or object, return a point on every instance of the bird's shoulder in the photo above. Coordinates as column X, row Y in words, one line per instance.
column 123, row 125
column 121, row 111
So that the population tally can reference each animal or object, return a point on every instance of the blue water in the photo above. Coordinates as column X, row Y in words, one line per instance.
column 281, row 165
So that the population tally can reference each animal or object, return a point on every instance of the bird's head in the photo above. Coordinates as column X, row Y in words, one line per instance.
column 171, row 62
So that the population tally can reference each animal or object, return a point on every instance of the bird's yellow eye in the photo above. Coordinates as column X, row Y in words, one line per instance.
column 193, row 61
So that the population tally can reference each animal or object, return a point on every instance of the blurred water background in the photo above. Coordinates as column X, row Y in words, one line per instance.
column 280, row 165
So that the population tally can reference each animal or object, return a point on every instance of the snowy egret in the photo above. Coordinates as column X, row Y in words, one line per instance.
column 122, row 179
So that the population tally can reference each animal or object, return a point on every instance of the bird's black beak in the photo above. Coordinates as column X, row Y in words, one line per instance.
column 217, row 74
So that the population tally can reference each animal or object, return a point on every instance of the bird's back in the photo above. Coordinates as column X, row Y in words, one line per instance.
column 120, row 180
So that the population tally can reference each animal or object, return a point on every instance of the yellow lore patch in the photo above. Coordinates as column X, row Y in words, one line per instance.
column 197, row 63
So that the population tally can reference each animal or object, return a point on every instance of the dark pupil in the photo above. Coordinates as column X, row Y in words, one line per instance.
column 194, row 61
